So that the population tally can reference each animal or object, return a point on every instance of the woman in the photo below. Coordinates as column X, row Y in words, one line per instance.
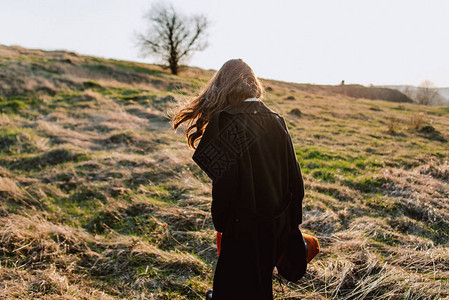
column 257, row 187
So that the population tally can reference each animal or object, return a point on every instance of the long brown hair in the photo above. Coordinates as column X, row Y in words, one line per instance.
column 230, row 86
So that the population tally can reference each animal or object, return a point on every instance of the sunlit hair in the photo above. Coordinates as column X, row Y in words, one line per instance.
column 230, row 86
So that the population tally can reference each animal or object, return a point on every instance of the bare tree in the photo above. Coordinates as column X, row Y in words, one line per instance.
column 409, row 92
column 172, row 36
column 427, row 94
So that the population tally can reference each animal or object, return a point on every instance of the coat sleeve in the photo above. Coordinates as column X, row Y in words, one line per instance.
column 220, row 163
column 296, row 180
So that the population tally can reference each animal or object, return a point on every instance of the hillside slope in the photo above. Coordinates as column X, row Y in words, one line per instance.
column 99, row 198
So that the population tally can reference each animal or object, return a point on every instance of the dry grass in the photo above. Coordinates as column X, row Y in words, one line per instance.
column 99, row 198
column 392, row 124
column 416, row 121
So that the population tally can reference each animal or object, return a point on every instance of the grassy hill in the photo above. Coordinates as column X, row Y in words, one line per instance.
column 99, row 198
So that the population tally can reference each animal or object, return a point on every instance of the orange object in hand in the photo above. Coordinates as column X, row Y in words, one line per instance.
column 218, row 242
column 313, row 247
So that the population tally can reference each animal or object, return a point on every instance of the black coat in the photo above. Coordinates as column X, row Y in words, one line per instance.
column 257, row 192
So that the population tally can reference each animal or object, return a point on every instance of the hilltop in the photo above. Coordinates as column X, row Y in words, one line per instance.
column 99, row 198
column 443, row 92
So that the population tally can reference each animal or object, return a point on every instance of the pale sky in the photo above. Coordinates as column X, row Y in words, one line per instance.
column 315, row 41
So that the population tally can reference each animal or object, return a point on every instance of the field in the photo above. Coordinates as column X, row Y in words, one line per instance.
column 100, row 199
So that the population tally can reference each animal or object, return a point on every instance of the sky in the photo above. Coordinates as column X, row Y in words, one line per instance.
column 380, row 42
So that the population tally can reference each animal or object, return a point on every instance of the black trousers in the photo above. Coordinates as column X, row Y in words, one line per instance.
column 244, row 269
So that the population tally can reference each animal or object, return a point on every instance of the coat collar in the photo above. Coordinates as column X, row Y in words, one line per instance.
column 249, row 107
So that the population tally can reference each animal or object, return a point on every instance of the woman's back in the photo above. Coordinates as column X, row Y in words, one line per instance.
column 264, row 157
column 254, row 202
